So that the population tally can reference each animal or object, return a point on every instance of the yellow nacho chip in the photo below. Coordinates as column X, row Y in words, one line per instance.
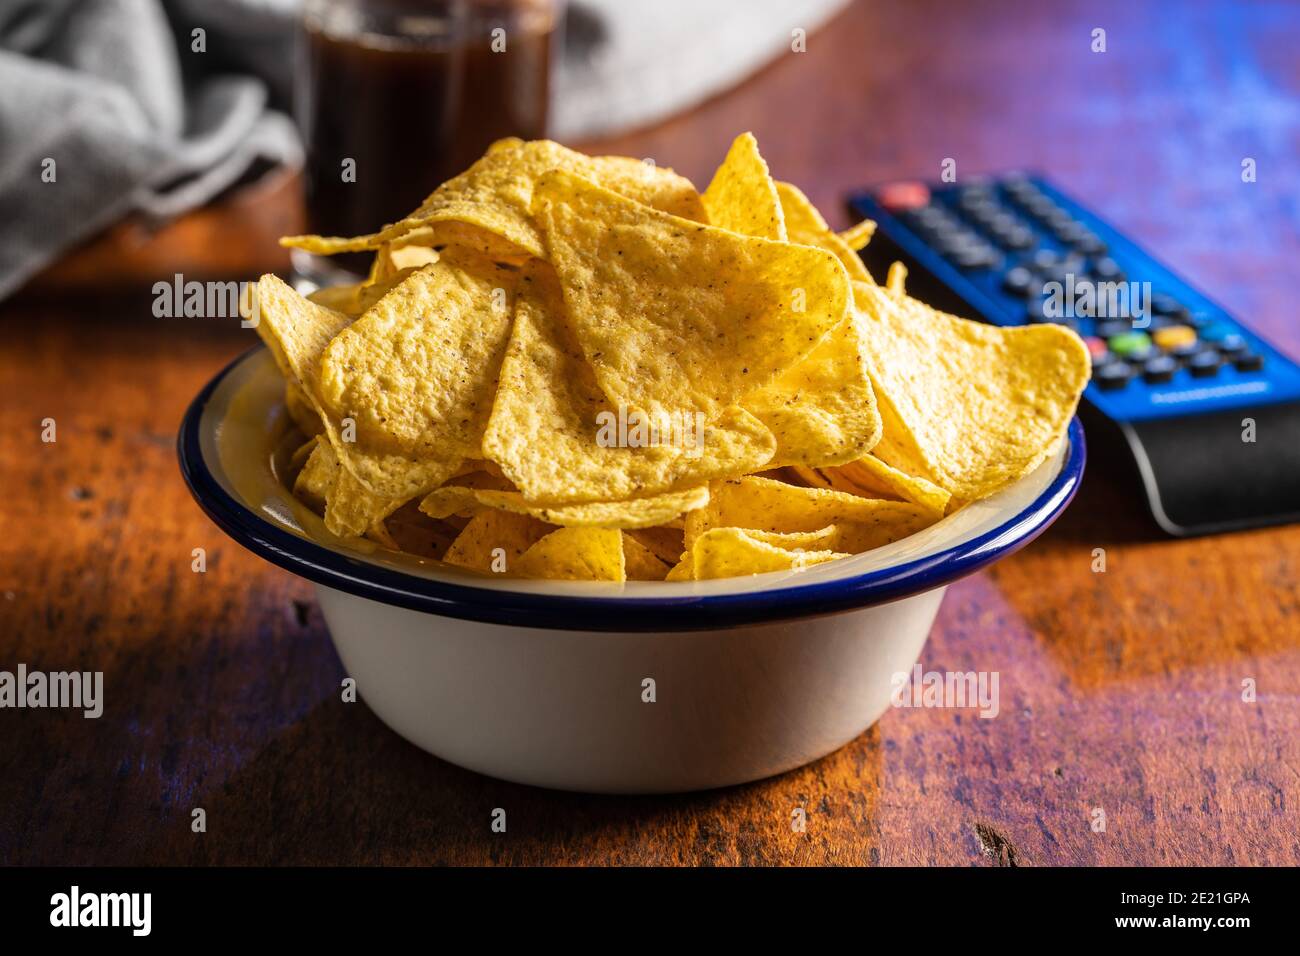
column 317, row 476
column 418, row 534
column 762, row 504
column 494, row 542
column 416, row 375
column 730, row 552
column 576, row 554
column 677, row 317
column 742, row 196
column 1006, row 394
column 665, row 542
column 683, row 570
column 640, row 562
column 822, row 411
column 629, row 513
column 857, row 237
column 872, row 477
column 554, row 434
column 896, row 281
column 300, row 409
column 355, row 298
column 493, row 198
column 296, row 330
column 574, row 367
column 350, row 510
column 805, row 225
column 332, row 245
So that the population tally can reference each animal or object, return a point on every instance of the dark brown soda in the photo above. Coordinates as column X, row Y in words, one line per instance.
column 413, row 112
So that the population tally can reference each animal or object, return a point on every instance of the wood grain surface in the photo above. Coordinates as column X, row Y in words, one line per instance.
column 1119, row 690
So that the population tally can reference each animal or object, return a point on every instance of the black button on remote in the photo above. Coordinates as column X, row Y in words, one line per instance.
column 1109, row 328
column 1019, row 281
column 1204, row 364
column 1231, row 344
column 1159, row 369
column 1248, row 362
column 1107, row 269
column 1112, row 375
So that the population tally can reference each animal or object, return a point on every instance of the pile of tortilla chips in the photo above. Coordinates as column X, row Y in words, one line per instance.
column 580, row 368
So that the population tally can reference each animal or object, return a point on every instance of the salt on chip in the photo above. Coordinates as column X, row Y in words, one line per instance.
column 575, row 554
column 495, row 540
column 762, row 504
column 742, row 196
column 416, row 374
column 805, row 225
column 731, row 552
column 629, row 513
column 822, row 411
column 549, row 425
column 967, row 406
column 677, row 317
column 488, row 207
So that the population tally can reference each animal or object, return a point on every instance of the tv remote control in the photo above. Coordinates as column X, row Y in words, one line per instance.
column 1209, row 410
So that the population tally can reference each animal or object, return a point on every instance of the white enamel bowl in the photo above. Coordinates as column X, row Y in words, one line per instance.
column 545, row 682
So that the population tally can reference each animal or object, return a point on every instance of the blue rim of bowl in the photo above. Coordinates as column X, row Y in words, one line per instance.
column 337, row 570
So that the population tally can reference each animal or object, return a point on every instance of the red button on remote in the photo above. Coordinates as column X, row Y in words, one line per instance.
column 905, row 195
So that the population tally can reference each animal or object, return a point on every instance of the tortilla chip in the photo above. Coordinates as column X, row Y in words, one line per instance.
column 350, row 510
column 301, row 410
column 731, row 552
column 1006, row 395
column 762, row 504
column 641, row 563
column 416, row 374
column 576, row 554
column 806, row 226
column 896, row 281
column 476, row 547
column 629, row 513
column 742, row 196
column 549, row 427
column 354, row 299
column 873, row 478
column 822, row 411
column 316, row 477
column 683, row 570
column 332, row 245
column 418, row 534
column 666, row 543
column 494, row 196
column 857, row 237
column 296, row 330
column 677, row 317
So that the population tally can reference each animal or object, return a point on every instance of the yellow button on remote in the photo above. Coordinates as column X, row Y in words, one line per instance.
column 1174, row 336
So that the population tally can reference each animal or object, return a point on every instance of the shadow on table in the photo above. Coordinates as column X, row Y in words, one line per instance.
column 339, row 787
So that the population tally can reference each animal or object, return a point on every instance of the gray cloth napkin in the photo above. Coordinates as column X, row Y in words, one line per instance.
column 96, row 122
column 135, row 120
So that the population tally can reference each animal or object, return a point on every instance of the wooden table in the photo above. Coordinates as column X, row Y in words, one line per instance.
column 1120, row 690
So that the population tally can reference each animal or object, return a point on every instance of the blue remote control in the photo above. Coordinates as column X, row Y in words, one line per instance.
column 1209, row 410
